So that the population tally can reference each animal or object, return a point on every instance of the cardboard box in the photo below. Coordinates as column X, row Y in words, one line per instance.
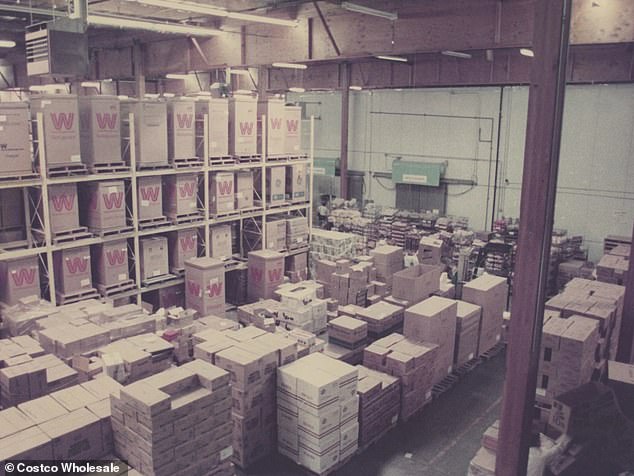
column 105, row 205
column 205, row 286
column 150, row 125
column 293, row 125
column 181, row 128
column 20, row 279
column 150, row 197
column 243, row 125
column 296, row 182
column 416, row 283
column 274, row 110
column 29, row 444
column 42, row 409
column 275, row 184
column 154, row 257
column 111, row 262
column 244, row 189
column 222, row 192
column 217, row 111
column 276, row 235
column 183, row 245
column 220, row 241
column 180, row 194
column 63, row 207
column 100, row 129
column 61, row 127
column 266, row 272
column 468, row 318
column 73, row 270
column 15, row 155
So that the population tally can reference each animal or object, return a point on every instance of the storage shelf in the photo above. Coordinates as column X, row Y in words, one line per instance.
column 6, row 184
column 88, row 178
column 161, row 172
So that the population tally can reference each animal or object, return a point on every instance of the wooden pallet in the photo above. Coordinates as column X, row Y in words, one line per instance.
column 189, row 162
column 231, row 214
column 187, row 218
column 246, row 211
column 13, row 245
column 158, row 279
column 66, row 170
column 297, row 157
column 277, row 158
column 153, row 166
column 90, row 293
column 275, row 206
column 177, row 271
column 19, row 177
column 65, row 236
column 112, row 231
column 151, row 223
column 493, row 351
column 109, row 168
column 298, row 246
column 112, row 290
column 444, row 385
column 248, row 159
column 223, row 160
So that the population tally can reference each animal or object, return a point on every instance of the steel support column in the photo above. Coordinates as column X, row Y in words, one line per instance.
column 626, row 339
column 345, row 116
column 541, row 161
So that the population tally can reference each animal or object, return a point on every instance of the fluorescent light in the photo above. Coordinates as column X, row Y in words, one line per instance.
column 456, row 54
column 176, row 76
column 168, row 95
column 297, row 90
column 136, row 24
column 356, row 88
column 91, row 84
column 47, row 87
column 123, row 97
column 527, row 52
column 151, row 95
column 353, row 7
column 203, row 9
column 240, row 72
column 392, row 58
column 289, row 65
column 7, row 44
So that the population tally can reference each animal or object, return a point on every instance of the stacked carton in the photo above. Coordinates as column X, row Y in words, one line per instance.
column 613, row 266
column 273, row 109
column 217, row 112
column 490, row 293
column 111, row 264
column 60, row 127
column 244, row 189
column 467, row 331
column 175, row 421
column 150, row 127
column 275, row 185
column 351, row 283
column 301, row 309
column 220, row 241
column 382, row 318
column 416, row 283
column 348, row 332
column 434, row 320
column 15, row 159
column 63, row 207
column 73, row 271
column 266, row 273
column 296, row 186
column 296, row 266
column 243, row 126
column 154, row 257
column 180, row 195
column 429, row 251
column 222, row 193
column 262, row 314
column 317, row 412
column 387, row 260
column 179, row 331
column 100, row 130
column 293, row 129
column 276, row 235
column 150, row 197
column 379, row 404
column 181, row 128
column 106, row 205
column 296, row 232
column 567, row 355
column 20, row 279
column 183, row 245
column 413, row 362
column 205, row 286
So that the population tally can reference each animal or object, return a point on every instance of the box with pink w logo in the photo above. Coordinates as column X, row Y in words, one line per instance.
column 61, row 127
column 100, row 129
column 266, row 273
column 72, row 270
column 180, row 195
column 103, row 205
column 19, row 278
column 63, row 207
column 111, row 262
column 205, row 286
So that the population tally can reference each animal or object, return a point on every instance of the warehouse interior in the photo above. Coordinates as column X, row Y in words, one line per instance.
column 315, row 237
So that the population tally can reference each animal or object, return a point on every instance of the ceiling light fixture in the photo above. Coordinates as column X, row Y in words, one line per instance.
column 356, row 88
column 168, row 95
column 7, row 43
column 146, row 25
column 177, row 76
column 456, row 54
column 243, row 91
column 392, row 58
column 289, row 65
column 353, row 7
column 527, row 52
column 91, row 84
column 297, row 90
column 203, row 9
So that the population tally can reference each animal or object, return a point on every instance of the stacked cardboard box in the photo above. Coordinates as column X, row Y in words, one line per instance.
column 220, row 241
column 61, row 128
column 293, row 128
column 63, row 207
column 183, row 245
column 318, row 412
column 382, row 318
column 273, row 109
column 181, row 128
column 73, row 271
column 180, row 195
column 467, row 331
column 429, row 251
column 434, row 320
column 296, row 232
column 243, row 125
column 205, row 286
column 244, row 189
column 20, row 279
column 106, row 205
column 567, row 356
column 348, row 332
column 222, row 193
column 490, row 293
column 296, row 267
column 100, row 129
column 217, row 112
column 266, row 273
column 483, row 463
column 387, row 260
column 301, row 308
column 154, row 257
column 15, row 159
column 111, row 263
column 150, row 127
column 177, row 420
column 413, row 362
column 276, row 235
column 262, row 314
column 352, row 283
column 296, row 184
column 67, row 340
column 416, row 283
column 379, row 404
column 275, row 185
column 307, row 342
column 150, row 193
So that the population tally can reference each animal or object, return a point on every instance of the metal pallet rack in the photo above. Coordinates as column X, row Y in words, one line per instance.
column 40, row 218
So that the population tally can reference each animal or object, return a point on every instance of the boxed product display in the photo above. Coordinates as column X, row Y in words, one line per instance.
column 150, row 197
column 243, row 127
column 106, row 207
column 379, row 404
column 181, row 128
column 220, row 241
column 20, row 279
column 382, row 318
column 467, row 331
column 296, row 267
column 416, row 283
column 73, row 272
column 154, row 257
column 180, row 195
column 276, row 235
column 61, row 128
column 110, row 261
column 244, row 189
column 205, row 286
column 296, row 183
column 222, row 192
column 275, row 184
column 348, row 332
column 183, row 245
column 266, row 273
column 217, row 111
column 293, row 129
column 150, row 126
column 296, row 232
column 63, row 207
column 15, row 156
column 100, row 129
column 274, row 110
column 387, row 260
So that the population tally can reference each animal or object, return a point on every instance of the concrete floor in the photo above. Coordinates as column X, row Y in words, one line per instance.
column 439, row 442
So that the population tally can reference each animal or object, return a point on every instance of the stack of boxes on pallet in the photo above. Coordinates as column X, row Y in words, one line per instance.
column 217, row 112
column 387, row 260
column 20, row 279
column 383, row 319
column 100, row 131
column 296, row 233
column 176, row 421
column 222, row 193
column 15, row 158
column 301, row 308
column 467, row 332
column 154, row 258
column 318, row 412
column 613, row 266
column 243, row 126
column 266, row 273
column 483, row 463
column 180, row 197
column 379, row 404
column 205, row 286
column 150, row 127
column 73, row 274
column 414, row 284
column 413, row 362
column 347, row 338
column 181, row 127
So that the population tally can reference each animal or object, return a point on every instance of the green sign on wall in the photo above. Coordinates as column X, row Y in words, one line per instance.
column 417, row 173
column 324, row 167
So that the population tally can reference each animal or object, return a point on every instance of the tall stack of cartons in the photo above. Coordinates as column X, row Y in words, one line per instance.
column 222, row 192
column 150, row 127
column 243, row 126
column 73, row 271
column 296, row 266
column 567, row 356
column 244, row 189
column 180, row 195
column 275, row 185
column 434, row 320
column 348, row 332
column 183, row 245
column 110, row 263
column 273, row 109
column 20, row 279
column 205, row 286
column 296, row 232
column 350, row 284
column 379, row 404
column 300, row 308
column 317, row 412
column 181, row 128
column 429, row 251
column 154, row 257
column 61, row 128
column 150, row 197
column 100, row 130
column 175, row 421
column 220, row 241
column 276, row 235
column 413, row 362
column 15, row 158
column 382, row 318
column 63, row 207
column 490, row 293
column 467, row 331
column 293, row 129
column 266, row 273
column 296, row 184
column 387, row 260
column 217, row 111
column 416, row 283
column 105, row 205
